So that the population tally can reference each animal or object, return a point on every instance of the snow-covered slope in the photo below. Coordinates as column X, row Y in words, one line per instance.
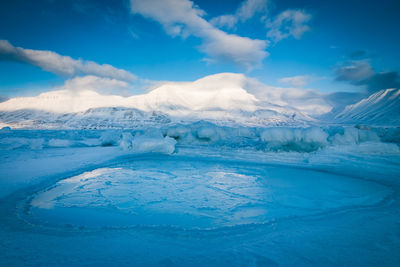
column 381, row 108
column 220, row 98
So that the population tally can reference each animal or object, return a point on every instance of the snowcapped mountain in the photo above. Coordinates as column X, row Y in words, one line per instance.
column 380, row 108
column 223, row 98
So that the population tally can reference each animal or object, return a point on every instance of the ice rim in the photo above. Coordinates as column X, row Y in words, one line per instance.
column 20, row 206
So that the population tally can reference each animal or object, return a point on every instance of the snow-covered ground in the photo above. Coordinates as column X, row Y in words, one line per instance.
column 198, row 194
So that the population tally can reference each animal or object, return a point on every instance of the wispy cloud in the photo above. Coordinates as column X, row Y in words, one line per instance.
column 61, row 65
column 290, row 23
column 246, row 10
column 296, row 81
column 183, row 18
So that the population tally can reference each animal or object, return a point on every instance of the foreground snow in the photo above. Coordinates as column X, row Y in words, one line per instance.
column 200, row 195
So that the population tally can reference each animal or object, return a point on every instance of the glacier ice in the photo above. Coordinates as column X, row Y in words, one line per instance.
column 164, row 139
column 297, row 139
column 352, row 135
column 9, row 143
column 126, row 141
column 110, row 137
column 194, row 193
column 152, row 141
column 5, row 129
column 59, row 143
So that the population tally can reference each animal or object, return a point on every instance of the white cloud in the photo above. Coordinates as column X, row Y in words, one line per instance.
column 250, row 7
column 288, row 23
column 183, row 18
column 245, row 11
column 296, row 81
column 228, row 47
column 227, row 21
column 61, row 65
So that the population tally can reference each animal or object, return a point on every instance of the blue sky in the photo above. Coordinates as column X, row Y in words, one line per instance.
column 330, row 45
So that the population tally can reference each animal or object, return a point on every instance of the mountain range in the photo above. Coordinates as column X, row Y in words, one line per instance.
column 224, row 98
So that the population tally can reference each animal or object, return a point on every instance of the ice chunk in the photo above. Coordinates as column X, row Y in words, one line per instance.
column 5, row 129
column 60, row 143
column 196, row 133
column 152, row 141
column 126, row 141
column 367, row 148
column 314, row 135
column 349, row 136
column 367, row 136
column 90, row 142
column 207, row 133
column 57, row 142
column 10, row 143
column 36, row 143
column 352, row 135
column 294, row 139
column 181, row 133
column 110, row 138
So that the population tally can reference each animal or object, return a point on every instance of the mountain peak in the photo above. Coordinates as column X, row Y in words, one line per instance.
column 382, row 107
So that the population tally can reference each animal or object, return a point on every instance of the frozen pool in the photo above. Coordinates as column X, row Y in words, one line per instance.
column 200, row 194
